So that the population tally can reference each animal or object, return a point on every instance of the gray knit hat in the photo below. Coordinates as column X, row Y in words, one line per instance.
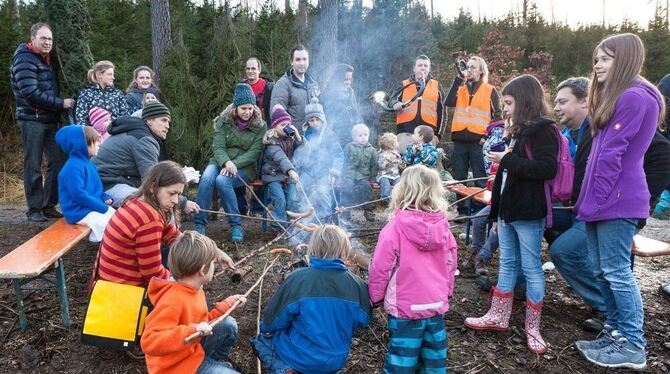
column 243, row 95
column 314, row 109
column 155, row 109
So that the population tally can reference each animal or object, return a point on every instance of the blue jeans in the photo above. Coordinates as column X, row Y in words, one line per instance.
column 484, row 245
column 609, row 244
column 386, row 186
column 280, row 195
column 217, row 347
column 570, row 254
column 226, row 185
column 264, row 349
column 521, row 246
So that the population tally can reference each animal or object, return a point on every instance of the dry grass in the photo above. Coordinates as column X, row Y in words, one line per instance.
column 11, row 187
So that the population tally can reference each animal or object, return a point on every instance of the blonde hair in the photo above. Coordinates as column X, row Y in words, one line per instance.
column 357, row 128
column 483, row 67
column 387, row 141
column 329, row 241
column 99, row 67
column 628, row 53
column 419, row 188
column 190, row 253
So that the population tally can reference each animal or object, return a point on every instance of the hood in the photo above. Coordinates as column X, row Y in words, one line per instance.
column 296, row 82
column 327, row 263
column 72, row 141
column 651, row 91
column 256, row 122
column 158, row 287
column 427, row 231
column 271, row 137
column 129, row 124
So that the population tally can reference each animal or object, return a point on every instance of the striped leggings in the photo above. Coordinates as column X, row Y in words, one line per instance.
column 417, row 344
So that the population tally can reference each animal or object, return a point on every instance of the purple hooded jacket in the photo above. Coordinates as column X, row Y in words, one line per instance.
column 614, row 184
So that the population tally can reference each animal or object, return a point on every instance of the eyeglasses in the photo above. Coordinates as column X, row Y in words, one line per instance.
column 45, row 39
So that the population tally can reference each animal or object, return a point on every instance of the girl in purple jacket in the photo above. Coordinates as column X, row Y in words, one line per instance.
column 412, row 271
column 624, row 112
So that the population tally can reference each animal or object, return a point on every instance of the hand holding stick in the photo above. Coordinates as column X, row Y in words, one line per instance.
column 216, row 321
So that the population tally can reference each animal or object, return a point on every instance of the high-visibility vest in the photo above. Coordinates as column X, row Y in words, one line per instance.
column 473, row 116
column 430, row 99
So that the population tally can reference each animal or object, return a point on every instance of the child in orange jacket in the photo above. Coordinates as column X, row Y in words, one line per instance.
column 181, row 309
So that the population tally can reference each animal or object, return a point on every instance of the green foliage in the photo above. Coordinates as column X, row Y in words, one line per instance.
column 212, row 42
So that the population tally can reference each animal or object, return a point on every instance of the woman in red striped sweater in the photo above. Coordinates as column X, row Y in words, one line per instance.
column 131, row 245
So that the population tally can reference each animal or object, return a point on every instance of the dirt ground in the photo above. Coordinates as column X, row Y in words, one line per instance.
column 46, row 347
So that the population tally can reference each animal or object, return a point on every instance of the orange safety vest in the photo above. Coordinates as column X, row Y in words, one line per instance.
column 473, row 116
column 430, row 99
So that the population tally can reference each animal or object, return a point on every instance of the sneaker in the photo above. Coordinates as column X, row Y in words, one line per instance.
column 664, row 289
column 462, row 236
column 480, row 268
column 52, row 213
column 37, row 216
column 603, row 339
column 619, row 354
column 200, row 229
column 237, row 234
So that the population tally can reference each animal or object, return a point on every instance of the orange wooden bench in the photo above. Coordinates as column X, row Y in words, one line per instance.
column 646, row 247
column 482, row 197
column 31, row 260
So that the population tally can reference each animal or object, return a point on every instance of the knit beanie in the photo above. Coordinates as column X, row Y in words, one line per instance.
column 314, row 109
column 243, row 95
column 278, row 115
column 155, row 91
column 97, row 117
column 155, row 109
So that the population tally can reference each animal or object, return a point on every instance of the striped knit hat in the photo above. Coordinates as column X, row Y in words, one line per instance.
column 97, row 116
column 278, row 115
column 155, row 109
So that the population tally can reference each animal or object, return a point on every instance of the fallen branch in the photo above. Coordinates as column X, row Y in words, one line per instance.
column 217, row 320
column 254, row 253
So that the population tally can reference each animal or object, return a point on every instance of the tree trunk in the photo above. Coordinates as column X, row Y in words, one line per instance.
column 160, row 33
column 326, row 39
column 14, row 5
column 302, row 20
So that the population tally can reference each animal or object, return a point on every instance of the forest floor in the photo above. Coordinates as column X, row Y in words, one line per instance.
column 46, row 347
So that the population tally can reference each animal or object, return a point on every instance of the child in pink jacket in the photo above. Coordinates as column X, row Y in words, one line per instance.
column 412, row 271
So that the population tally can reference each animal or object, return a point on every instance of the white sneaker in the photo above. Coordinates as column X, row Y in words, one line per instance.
column 462, row 236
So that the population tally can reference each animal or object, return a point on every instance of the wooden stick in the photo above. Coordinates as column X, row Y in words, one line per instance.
column 469, row 196
column 309, row 201
column 260, row 202
column 343, row 208
column 450, row 183
column 243, row 216
column 463, row 218
column 253, row 253
column 258, row 319
column 216, row 321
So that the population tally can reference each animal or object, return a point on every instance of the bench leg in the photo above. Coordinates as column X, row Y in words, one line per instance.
column 62, row 293
column 23, row 322
column 468, row 223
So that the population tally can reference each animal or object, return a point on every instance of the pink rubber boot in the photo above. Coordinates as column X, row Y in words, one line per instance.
column 497, row 318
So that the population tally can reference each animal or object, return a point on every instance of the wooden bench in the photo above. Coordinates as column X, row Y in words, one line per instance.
column 482, row 197
column 646, row 247
column 30, row 261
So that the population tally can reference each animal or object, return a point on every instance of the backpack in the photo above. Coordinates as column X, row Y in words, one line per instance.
column 558, row 189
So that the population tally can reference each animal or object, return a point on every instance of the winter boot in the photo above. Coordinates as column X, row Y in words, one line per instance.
column 533, row 315
column 497, row 318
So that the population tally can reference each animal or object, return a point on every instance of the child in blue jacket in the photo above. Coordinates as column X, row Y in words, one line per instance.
column 308, row 324
column 80, row 192
column 422, row 150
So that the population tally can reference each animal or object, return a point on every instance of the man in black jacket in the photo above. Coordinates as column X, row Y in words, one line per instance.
column 38, row 107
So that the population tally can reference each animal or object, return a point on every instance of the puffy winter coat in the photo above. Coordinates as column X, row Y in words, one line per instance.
column 294, row 95
column 389, row 163
column 360, row 162
column 134, row 99
column 109, row 98
column 276, row 163
column 413, row 266
column 242, row 147
column 35, row 87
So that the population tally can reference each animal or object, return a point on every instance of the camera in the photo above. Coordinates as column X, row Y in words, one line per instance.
column 289, row 131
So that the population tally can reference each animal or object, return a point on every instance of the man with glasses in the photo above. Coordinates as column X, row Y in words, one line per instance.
column 476, row 104
column 38, row 109
column 262, row 87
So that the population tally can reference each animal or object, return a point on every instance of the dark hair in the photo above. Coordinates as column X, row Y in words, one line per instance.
column 421, row 57
column 426, row 132
column 92, row 135
column 529, row 102
column 578, row 85
column 163, row 174
column 37, row 26
column 298, row 47
column 259, row 61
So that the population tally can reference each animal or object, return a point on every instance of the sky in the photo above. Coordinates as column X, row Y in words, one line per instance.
column 572, row 12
